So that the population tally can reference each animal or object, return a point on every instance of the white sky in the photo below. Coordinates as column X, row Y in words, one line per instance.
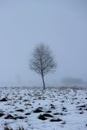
column 61, row 24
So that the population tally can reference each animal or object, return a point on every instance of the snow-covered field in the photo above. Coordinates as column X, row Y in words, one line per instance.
column 53, row 109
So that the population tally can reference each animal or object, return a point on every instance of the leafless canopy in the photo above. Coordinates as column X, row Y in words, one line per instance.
column 42, row 61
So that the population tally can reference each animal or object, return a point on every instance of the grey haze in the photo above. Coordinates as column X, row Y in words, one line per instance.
column 60, row 24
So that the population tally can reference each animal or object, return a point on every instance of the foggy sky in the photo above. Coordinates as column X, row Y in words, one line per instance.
column 60, row 24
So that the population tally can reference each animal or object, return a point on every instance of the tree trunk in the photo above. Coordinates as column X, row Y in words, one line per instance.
column 43, row 81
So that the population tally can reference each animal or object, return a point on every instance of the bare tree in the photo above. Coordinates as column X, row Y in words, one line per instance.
column 42, row 61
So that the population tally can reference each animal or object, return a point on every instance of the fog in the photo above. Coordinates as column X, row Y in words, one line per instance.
column 60, row 24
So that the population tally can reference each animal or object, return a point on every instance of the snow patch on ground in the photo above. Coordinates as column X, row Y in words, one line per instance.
column 34, row 109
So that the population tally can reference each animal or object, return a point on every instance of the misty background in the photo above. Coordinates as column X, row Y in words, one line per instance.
column 60, row 24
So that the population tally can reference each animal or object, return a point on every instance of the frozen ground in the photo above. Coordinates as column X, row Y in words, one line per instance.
column 53, row 109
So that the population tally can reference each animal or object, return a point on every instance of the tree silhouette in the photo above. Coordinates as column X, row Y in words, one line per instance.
column 42, row 61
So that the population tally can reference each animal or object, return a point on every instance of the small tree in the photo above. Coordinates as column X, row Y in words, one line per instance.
column 42, row 61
